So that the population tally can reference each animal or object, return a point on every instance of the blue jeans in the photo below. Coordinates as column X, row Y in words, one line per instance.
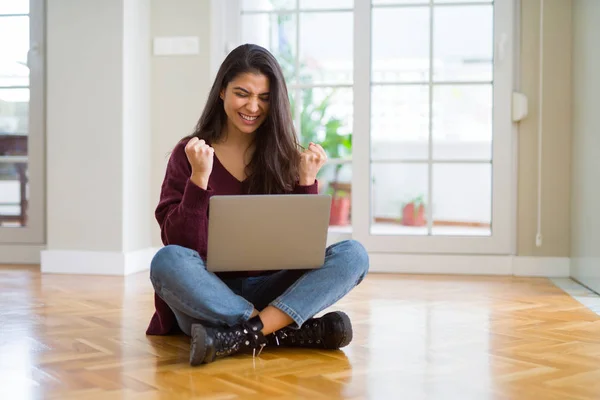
column 195, row 295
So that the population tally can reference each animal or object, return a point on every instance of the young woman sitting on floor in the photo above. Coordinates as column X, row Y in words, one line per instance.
column 244, row 143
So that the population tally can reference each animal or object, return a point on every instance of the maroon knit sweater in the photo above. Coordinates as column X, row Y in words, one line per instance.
column 182, row 214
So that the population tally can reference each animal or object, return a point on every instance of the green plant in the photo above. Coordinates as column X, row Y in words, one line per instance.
column 417, row 201
column 338, row 192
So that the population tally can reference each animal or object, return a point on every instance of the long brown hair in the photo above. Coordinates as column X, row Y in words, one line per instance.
column 273, row 168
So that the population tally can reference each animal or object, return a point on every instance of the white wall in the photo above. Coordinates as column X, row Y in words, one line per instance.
column 179, row 86
column 557, row 124
column 585, row 194
column 98, row 136
column 84, row 125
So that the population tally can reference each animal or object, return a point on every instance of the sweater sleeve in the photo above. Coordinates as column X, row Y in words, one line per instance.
column 182, row 211
column 306, row 189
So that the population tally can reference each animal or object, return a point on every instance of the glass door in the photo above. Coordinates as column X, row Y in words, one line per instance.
column 21, row 122
column 432, row 149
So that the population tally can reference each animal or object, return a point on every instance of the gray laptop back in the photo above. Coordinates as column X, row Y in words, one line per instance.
column 267, row 232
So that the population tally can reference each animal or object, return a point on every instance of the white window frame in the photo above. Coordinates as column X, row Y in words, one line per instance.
column 226, row 35
column 500, row 241
column 34, row 230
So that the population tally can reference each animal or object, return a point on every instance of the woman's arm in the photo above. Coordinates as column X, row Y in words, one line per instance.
column 306, row 189
column 182, row 211
column 311, row 161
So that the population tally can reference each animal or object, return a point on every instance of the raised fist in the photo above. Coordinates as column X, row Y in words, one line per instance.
column 200, row 155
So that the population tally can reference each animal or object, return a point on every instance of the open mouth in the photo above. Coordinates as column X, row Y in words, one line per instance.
column 248, row 118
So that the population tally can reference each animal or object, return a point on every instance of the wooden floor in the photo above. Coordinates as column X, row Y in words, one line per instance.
column 416, row 337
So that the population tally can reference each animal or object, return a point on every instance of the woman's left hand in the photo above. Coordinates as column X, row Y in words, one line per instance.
column 311, row 161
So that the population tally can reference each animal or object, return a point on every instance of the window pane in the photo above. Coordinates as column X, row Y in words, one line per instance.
column 326, row 58
column 336, row 180
column 293, row 94
column 462, row 122
column 378, row 2
column 399, row 198
column 312, row 4
column 462, row 199
column 14, row 6
column 463, row 1
column 13, row 73
column 277, row 33
column 268, row 5
column 14, row 45
column 400, row 44
column 14, row 119
column 14, row 111
column 326, row 118
column 463, row 43
column 400, row 122
column 13, row 187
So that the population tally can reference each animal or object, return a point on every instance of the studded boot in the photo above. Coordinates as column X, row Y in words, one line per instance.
column 331, row 331
column 210, row 344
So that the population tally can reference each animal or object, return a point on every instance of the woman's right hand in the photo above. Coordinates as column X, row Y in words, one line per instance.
column 200, row 155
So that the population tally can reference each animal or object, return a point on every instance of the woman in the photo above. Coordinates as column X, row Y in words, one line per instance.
column 244, row 143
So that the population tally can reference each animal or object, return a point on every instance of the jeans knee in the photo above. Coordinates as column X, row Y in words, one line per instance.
column 163, row 262
column 361, row 257
column 356, row 258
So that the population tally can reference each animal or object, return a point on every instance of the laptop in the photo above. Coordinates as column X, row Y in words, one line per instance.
column 267, row 232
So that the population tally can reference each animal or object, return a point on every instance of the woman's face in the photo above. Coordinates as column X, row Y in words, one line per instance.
column 246, row 101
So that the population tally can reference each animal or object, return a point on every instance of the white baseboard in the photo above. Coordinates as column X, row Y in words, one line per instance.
column 20, row 253
column 136, row 261
column 440, row 264
column 96, row 262
column 116, row 263
column 552, row 267
column 555, row 267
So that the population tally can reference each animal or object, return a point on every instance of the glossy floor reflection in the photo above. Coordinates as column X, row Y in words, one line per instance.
column 416, row 337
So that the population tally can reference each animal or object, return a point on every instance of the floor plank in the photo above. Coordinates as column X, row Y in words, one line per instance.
column 416, row 337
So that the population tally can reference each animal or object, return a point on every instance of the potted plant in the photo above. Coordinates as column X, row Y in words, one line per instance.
column 340, row 207
column 338, row 146
column 413, row 212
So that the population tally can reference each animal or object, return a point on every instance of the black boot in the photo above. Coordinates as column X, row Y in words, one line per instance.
column 331, row 331
column 209, row 344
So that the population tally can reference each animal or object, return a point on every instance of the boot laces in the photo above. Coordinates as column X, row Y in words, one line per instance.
column 310, row 333
column 230, row 341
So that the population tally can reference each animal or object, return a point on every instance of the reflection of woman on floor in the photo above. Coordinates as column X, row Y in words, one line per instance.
column 244, row 143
